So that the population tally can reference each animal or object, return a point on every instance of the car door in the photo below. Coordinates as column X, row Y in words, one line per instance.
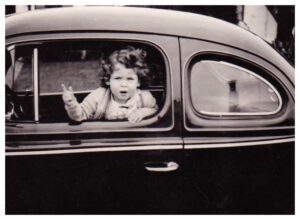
column 62, row 167
column 238, row 131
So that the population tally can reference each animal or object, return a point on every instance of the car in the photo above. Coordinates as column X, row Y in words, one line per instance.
column 221, row 142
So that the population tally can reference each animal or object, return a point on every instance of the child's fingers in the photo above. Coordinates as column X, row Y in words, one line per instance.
column 63, row 87
column 134, row 119
column 131, row 118
column 139, row 119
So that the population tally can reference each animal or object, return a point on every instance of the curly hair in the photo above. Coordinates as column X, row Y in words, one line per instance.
column 131, row 58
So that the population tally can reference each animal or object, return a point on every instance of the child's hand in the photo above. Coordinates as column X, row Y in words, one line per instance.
column 136, row 116
column 68, row 95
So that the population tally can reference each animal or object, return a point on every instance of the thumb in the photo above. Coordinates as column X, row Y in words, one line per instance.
column 64, row 89
column 70, row 89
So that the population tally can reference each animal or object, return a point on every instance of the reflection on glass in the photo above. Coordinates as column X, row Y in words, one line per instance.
column 225, row 89
column 18, row 85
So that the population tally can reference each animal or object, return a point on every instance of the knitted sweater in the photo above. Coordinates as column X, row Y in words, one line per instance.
column 99, row 103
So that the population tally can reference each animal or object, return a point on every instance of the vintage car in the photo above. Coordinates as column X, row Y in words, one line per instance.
column 221, row 142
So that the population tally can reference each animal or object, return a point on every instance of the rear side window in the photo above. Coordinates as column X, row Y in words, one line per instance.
column 221, row 88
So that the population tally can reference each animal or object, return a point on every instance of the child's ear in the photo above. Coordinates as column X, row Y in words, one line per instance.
column 107, row 83
column 138, row 84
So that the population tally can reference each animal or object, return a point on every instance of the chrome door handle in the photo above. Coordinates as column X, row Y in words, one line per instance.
column 161, row 167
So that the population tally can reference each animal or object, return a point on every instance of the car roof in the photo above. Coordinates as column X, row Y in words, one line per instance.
column 140, row 20
column 108, row 18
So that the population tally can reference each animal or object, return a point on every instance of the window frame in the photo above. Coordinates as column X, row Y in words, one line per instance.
column 195, row 121
column 155, row 123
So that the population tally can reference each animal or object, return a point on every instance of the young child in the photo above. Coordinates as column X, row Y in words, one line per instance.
column 118, row 97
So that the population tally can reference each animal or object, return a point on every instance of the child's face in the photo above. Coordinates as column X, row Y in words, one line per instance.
column 123, row 83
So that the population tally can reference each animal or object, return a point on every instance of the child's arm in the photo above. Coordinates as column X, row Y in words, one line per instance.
column 148, row 107
column 72, row 107
column 84, row 110
column 138, row 114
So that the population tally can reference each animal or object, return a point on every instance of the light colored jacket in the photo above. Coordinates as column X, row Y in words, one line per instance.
column 95, row 104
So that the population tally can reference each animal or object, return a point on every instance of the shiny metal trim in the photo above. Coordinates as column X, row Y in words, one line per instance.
column 150, row 147
column 169, row 167
column 36, row 84
column 241, row 144
column 107, row 142
column 102, row 149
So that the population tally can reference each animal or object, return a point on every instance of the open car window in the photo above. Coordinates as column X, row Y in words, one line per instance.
column 76, row 63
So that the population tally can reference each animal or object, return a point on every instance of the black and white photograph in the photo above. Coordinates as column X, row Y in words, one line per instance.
column 149, row 109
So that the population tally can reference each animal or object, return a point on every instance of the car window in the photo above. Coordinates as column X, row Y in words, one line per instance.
column 19, row 75
column 19, row 84
column 222, row 88
column 76, row 64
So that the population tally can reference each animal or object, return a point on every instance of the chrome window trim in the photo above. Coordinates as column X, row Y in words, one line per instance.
column 11, row 47
column 36, row 84
column 150, row 147
column 243, row 113
column 240, row 144
column 88, row 143
column 97, row 149
column 238, row 129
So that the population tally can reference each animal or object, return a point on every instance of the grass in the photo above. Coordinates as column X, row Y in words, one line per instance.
column 81, row 75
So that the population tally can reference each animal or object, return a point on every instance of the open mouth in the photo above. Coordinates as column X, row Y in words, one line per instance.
column 123, row 92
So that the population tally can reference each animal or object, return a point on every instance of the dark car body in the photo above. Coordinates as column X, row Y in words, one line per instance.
column 183, row 160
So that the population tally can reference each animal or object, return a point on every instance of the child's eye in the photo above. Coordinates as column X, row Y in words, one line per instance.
column 130, row 78
column 117, row 78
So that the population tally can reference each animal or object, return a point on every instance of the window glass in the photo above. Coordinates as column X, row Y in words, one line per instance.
column 77, row 64
column 19, row 75
column 69, row 63
column 19, row 84
column 221, row 88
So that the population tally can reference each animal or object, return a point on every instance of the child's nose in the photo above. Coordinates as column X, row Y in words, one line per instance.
column 123, row 83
